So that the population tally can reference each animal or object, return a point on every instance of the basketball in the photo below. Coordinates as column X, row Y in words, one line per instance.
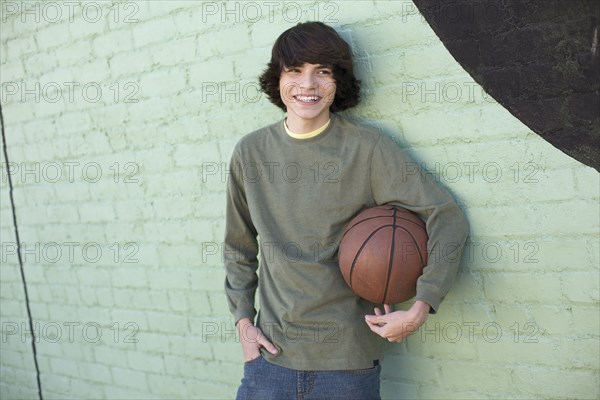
column 382, row 254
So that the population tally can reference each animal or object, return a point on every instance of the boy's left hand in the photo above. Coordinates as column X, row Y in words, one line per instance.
column 395, row 326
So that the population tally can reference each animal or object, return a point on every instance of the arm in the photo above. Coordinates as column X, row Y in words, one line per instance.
column 397, row 179
column 241, row 263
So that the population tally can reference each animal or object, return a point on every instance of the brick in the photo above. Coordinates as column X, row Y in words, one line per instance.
column 55, row 383
column 75, row 53
column 500, row 287
column 204, row 279
column 232, row 39
column 113, row 42
column 64, row 367
column 131, row 379
column 553, row 320
column 581, row 287
column 82, row 27
column 12, row 75
column 162, row 83
column 168, row 385
column 586, row 319
column 208, row 76
column 169, row 278
column 160, row 8
column 175, row 52
column 465, row 376
column 95, row 372
column 410, row 368
column 466, row 287
column 529, row 220
column 19, row 46
column 437, row 392
column 118, row 392
column 213, row 390
column 139, row 361
column 110, row 356
column 167, row 208
column 218, row 301
column 220, row 371
column 508, row 315
column 194, row 344
column 557, row 382
column 130, row 276
column 128, row 63
column 86, row 388
column 145, row 33
column 168, row 323
column 391, row 389
column 527, row 349
column 53, row 35
column 433, row 60
column 198, row 303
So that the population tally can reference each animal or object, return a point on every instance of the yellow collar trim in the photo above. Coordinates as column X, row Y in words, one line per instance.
column 306, row 135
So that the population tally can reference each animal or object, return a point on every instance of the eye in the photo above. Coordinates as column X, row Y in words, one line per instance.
column 326, row 72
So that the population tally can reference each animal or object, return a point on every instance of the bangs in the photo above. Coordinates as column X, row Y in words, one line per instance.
column 298, row 48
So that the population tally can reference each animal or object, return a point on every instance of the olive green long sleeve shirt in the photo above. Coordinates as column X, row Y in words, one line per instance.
column 291, row 199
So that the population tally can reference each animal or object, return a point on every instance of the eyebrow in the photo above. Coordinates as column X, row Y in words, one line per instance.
column 319, row 66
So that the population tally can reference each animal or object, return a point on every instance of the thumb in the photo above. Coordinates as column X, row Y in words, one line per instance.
column 376, row 319
column 264, row 342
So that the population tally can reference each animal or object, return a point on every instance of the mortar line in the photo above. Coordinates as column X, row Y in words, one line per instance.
column 14, row 215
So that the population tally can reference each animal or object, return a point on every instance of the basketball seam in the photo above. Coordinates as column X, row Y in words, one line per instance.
column 391, row 258
column 362, row 247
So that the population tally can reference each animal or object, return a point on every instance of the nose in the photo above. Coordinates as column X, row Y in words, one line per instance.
column 308, row 81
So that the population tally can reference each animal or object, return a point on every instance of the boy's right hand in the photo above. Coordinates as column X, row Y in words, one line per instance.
column 252, row 340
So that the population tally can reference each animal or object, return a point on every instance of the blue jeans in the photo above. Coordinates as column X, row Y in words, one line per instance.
column 264, row 380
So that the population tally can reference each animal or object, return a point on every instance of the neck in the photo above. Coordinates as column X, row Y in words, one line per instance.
column 300, row 126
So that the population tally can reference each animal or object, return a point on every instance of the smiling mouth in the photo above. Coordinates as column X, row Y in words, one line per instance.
column 311, row 99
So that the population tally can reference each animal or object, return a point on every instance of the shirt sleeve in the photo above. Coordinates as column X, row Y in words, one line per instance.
column 398, row 179
column 240, row 247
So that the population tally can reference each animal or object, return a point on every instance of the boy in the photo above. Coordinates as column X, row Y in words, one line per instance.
column 295, row 185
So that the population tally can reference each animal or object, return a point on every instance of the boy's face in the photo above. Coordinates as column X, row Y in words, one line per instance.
column 308, row 92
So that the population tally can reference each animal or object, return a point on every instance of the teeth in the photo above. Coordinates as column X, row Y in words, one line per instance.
column 307, row 98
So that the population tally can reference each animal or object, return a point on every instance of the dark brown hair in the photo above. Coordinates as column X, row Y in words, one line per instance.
column 313, row 43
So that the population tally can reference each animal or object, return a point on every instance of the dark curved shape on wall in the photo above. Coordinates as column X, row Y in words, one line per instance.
column 539, row 59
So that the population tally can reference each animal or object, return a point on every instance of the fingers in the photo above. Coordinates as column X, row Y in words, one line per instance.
column 388, row 308
column 374, row 327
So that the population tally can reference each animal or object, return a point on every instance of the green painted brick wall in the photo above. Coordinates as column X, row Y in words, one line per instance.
column 120, row 120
